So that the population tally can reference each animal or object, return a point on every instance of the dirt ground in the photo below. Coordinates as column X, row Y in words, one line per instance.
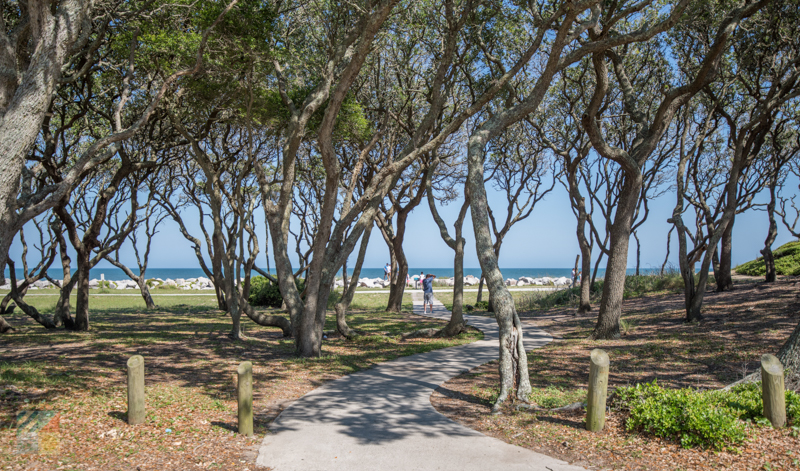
column 738, row 327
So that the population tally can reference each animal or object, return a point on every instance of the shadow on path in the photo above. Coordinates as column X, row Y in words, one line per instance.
column 382, row 418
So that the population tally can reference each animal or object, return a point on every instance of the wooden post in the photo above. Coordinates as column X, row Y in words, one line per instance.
column 136, row 390
column 772, row 390
column 598, row 389
column 245, row 395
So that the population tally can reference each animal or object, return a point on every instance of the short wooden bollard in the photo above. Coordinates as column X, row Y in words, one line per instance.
column 772, row 390
column 598, row 389
column 136, row 390
column 244, row 392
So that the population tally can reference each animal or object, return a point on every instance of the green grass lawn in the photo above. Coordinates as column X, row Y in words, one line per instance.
column 522, row 298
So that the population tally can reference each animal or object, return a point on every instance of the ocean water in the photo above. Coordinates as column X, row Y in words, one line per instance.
column 186, row 273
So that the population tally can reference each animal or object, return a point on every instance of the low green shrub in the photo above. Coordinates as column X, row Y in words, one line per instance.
column 482, row 305
column 747, row 399
column 690, row 417
column 708, row 419
column 635, row 286
column 787, row 262
column 266, row 293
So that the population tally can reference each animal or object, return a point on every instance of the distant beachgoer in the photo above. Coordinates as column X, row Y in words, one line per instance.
column 408, row 279
column 427, row 290
column 574, row 277
column 387, row 271
column 421, row 277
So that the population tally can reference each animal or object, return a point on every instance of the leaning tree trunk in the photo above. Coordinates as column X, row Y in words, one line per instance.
column 772, row 234
column 145, row 290
column 347, row 297
column 140, row 279
column 457, row 324
column 789, row 356
column 398, row 276
column 266, row 320
column 62, row 315
column 724, row 279
column 4, row 305
column 513, row 364
column 607, row 326
column 31, row 311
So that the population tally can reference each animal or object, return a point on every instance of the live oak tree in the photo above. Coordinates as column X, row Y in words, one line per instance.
column 218, row 183
column 759, row 80
column 649, row 120
column 338, row 71
column 47, row 249
column 110, row 190
column 148, row 224
column 47, row 45
column 558, row 39
column 727, row 164
column 783, row 148
column 518, row 168
column 561, row 131
column 454, row 176
column 391, row 219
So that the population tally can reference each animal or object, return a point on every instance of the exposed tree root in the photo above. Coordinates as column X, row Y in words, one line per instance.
column 5, row 327
column 268, row 320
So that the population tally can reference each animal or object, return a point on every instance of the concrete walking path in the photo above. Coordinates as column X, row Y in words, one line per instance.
column 382, row 418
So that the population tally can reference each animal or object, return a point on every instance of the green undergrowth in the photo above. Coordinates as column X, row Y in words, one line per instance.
column 552, row 396
column 715, row 419
column 635, row 286
column 787, row 262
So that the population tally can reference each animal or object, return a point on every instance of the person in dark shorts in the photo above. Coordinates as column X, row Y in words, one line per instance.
column 427, row 290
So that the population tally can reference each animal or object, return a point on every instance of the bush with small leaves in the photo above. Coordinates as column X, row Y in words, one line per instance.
column 263, row 292
column 693, row 418
column 710, row 419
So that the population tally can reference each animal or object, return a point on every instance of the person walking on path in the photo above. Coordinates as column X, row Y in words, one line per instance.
column 427, row 290
column 387, row 271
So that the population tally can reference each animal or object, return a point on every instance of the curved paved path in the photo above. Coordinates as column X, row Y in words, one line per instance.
column 382, row 418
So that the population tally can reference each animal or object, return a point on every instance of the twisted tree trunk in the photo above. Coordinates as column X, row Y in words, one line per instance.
column 31, row 311
column 513, row 364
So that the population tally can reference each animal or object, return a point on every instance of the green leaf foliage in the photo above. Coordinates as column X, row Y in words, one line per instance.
column 714, row 419
column 787, row 262
column 266, row 293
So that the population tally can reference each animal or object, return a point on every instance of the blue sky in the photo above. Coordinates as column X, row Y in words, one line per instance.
column 545, row 240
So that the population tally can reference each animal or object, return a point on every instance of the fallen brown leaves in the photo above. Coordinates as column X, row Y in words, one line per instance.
column 190, row 363
column 738, row 327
